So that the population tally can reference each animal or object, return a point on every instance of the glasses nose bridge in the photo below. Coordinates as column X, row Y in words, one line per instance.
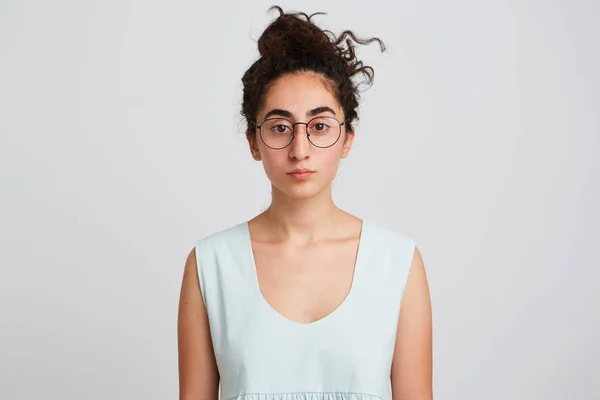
column 294, row 142
column 299, row 123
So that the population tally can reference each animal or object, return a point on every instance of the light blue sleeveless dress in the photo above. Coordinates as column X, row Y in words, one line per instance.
column 262, row 355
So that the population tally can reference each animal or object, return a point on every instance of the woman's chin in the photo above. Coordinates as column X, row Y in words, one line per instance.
column 300, row 192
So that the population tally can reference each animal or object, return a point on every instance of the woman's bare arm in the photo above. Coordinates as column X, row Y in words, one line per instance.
column 412, row 363
column 198, row 373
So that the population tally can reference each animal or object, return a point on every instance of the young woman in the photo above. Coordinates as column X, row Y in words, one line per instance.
column 304, row 301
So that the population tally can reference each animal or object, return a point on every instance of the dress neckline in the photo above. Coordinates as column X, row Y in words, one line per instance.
column 336, row 311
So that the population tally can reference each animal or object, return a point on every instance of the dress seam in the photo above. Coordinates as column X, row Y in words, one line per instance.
column 292, row 393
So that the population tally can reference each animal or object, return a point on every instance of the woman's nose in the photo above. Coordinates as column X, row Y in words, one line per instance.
column 300, row 146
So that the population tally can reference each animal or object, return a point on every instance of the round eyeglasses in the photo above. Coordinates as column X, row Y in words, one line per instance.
column 277, row 133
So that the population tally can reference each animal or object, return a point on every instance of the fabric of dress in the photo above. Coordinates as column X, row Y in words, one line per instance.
column 262, row 355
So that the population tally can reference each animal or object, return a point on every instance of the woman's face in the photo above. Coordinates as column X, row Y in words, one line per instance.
column 300, row 97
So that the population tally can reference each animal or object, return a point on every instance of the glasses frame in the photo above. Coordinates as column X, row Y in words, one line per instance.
column 293, row 134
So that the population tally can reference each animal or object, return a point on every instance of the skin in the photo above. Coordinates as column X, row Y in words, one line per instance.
column 303, row 227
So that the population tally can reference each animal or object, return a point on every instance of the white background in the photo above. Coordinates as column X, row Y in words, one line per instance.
column 121, row 145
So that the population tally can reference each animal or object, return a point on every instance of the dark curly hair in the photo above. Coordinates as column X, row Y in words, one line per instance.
column 292, row 43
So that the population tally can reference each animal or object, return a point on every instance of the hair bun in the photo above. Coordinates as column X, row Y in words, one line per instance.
column 290, row 36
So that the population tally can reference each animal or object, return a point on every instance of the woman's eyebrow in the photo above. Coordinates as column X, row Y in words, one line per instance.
column 319, row 110
column 286, row 113
column 278, row 111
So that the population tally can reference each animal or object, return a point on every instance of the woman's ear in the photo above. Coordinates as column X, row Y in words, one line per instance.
column 348, row 140
column 253, row 147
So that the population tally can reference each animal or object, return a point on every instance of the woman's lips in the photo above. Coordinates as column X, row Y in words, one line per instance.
column 301, row 176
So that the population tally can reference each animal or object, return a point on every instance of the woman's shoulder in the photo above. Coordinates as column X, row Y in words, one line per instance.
column 385, row 232
column 224, row 235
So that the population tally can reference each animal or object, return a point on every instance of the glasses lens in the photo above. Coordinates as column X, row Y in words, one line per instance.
column 276, row 132
column 324, row 131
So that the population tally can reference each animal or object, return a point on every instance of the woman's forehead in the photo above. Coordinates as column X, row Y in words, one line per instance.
column 300, row 95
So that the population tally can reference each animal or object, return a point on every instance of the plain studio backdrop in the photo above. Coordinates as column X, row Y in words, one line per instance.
column 122, row 144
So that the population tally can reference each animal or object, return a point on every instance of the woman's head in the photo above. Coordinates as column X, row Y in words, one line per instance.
column 304, row 75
